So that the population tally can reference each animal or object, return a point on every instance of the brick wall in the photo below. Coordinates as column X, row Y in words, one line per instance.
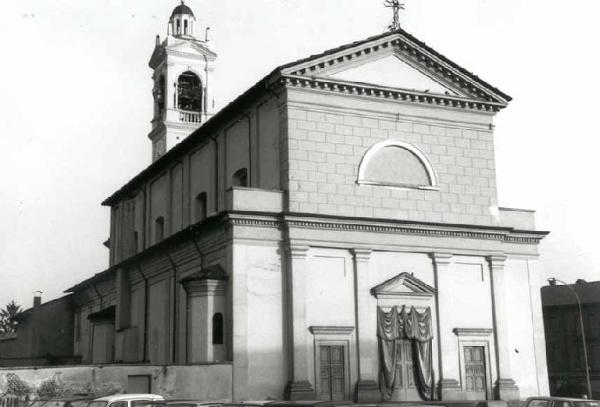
column 326, row 147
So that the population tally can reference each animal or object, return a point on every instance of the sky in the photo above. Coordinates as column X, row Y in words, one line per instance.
column 76, row 105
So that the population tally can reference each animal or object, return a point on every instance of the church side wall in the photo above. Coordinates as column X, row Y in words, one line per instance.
column 329, row 135
column 87, row 301
column 250, row 140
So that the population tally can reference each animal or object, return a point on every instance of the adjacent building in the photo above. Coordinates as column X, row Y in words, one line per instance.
column 564, row 344
column 333, row 233
column 44, row 335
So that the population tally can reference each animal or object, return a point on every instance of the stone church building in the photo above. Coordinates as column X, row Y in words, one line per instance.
column 333, row 233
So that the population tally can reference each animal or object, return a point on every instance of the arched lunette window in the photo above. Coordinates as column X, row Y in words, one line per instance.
column 217, row 329
column 397, row 164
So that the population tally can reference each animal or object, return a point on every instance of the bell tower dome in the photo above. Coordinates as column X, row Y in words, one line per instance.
column 182, row 69
column 181, row 23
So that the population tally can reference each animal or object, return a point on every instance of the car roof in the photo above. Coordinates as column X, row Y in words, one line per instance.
column 124, row 397
column 288, row 403
column 68, row 398
column 560, row 399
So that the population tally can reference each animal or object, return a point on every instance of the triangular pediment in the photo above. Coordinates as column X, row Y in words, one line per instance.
column 187, row 48
column 191, row 47
column 391, row 71
column 404, row 284
column 396, row 60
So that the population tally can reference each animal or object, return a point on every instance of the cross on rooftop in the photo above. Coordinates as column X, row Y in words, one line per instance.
column 396, row 6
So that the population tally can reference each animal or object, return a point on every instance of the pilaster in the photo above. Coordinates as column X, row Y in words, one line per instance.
column 505, row 387
column 367, row 389
column 300, row 387
column 449, row 385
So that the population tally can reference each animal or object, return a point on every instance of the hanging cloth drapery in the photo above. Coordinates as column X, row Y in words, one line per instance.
column 395, row 325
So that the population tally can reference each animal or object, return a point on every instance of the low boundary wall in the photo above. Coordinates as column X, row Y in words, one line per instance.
column 199, row 382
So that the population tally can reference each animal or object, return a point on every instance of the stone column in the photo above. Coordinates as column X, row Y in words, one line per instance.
column 299, row 387
column 367, row 388
column 449, row 385
column 505, row 387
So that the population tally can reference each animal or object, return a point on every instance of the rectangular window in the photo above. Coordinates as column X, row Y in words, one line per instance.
column 159, row 229
column 201, row 207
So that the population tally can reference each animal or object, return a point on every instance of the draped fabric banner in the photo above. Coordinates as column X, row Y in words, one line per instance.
column 394, row 326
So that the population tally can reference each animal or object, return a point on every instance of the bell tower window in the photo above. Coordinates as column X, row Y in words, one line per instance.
column 185, row 27
column 189, row 92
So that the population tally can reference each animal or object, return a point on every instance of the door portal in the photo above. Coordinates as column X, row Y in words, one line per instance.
column 406, row 387
column 333, row 376
column 475, row 373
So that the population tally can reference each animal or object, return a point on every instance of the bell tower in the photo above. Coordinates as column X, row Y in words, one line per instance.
column 182, row 69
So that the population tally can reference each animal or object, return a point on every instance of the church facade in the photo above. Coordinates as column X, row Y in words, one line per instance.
column 333, row 233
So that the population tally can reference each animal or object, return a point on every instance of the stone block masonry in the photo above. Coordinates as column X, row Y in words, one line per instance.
column 326, row 148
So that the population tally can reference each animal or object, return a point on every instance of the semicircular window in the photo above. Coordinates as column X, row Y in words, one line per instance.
column 394, row 163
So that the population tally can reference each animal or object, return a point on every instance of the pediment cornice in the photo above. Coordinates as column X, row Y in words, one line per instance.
column 411, row 51
column 404, row 284
column 371, row 90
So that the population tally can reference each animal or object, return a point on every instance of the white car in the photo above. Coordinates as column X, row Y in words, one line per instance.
column 125, row 400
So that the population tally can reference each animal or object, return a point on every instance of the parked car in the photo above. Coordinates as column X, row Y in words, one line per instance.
column 559, row 402
column 125, row 400
column 182, row 403
column 194, row 403
column 284, row 403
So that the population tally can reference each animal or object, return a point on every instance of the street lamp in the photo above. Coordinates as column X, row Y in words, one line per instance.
column 552, row 282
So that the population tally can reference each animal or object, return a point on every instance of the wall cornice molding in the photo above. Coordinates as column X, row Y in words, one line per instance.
column 395, row 94
column 331, row 330
column 290, row 221
column 473, row 331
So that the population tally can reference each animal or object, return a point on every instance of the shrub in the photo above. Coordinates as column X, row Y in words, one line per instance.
column 16, row 386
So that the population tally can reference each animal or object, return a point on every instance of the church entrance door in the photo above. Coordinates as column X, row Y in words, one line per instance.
column 333, row 377
column 475, row 372
column 406, row 387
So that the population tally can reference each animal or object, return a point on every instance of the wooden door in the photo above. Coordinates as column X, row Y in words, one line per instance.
column 405, row 388
column 475, row 373
column 333, row 375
